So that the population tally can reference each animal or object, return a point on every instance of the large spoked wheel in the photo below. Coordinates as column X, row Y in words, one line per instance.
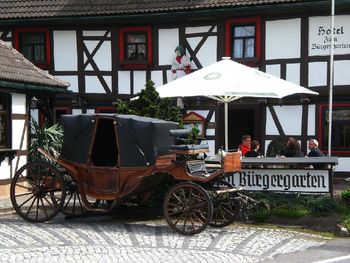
column 37, row 192
column 187, row 208
column 73, row 205
column 225, row 204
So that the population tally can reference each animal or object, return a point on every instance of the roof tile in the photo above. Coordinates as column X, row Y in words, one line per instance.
column 11, row 9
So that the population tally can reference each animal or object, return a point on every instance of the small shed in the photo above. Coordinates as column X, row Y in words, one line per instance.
column 21, row 83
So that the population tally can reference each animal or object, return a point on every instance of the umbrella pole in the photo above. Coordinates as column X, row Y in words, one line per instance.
column 226, row 125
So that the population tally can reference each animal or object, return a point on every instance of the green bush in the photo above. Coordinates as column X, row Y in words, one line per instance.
column 149, row 104
column 290, row 212
column 345, row 196
column 261, row 215
column 323, row 205
column 49, row 138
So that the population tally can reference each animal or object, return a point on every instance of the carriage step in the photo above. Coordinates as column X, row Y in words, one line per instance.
column 230, row 190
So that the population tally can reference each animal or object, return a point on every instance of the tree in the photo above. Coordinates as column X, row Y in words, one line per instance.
column 149, row 104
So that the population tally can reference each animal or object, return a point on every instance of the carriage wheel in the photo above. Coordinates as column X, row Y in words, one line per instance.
column 225, row 205
column 37, row 192
column 73, row 205
column 188, row 208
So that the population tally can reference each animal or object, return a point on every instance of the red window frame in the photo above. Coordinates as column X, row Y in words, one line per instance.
column 228, row 35
column 44, row 30
column 322, row 108
column 130, row 64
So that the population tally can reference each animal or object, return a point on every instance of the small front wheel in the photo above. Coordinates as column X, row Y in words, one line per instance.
column 187, row 208
column 37, row 192
column 225, row 204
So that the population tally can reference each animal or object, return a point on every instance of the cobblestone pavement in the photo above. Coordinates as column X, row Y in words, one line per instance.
column 110, row 240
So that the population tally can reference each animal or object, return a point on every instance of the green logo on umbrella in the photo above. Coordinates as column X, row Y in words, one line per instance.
column 211, row 76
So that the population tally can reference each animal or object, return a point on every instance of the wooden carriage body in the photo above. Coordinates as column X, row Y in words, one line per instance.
column 110, row 155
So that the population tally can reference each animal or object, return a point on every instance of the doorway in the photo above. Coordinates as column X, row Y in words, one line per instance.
column 241, row 122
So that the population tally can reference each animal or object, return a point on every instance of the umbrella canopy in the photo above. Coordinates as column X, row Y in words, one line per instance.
column 226, row 81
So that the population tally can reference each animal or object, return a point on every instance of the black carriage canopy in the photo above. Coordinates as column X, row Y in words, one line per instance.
column 119, row 140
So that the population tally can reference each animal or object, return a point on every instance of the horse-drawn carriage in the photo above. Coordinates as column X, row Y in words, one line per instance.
column 111, row 158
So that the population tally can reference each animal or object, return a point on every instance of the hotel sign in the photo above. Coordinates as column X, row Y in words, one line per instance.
column 320, row 35
column 306, row 181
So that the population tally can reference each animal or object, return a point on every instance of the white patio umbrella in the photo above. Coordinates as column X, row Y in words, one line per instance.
column 226, row 81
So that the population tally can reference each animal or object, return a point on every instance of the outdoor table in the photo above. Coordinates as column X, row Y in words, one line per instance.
column 282, row 174
column 7, row 153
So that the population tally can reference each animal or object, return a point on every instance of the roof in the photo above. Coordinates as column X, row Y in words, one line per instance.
column 16, row 9
column 19, row 73
column 136, row 140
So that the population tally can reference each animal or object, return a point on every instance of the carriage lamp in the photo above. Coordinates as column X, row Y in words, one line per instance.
column 33, row 103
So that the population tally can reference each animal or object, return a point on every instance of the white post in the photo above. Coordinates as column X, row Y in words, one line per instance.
column 331, row 74
column 226, row 124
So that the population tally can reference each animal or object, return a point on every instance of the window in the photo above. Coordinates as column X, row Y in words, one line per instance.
column 243, row 39
column 340, row 128
column 136, row 47
column 4, row 121
column 34, row 44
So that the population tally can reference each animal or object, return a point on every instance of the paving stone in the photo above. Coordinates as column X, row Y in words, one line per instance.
column 109, row 241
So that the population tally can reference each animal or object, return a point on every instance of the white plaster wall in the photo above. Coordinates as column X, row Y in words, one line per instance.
column 267, row 142
column 22, row 161
column 73, row 81
column 199, row 29
column 102, row 58
column 293, row 73
column 157, row 77
column 207, row 53
column 317, row 74
column 124, row 82
column 290, row 118
column 139, row 81
column 271, row 128
column 211, row 144
column 274, row 70
column 311, row 130
column 65, row 50
column 283, row 39
column 76, row 111
column 343, row 164
column 168, row 41
column 17, row 130
column 93, row 33
column 18, row 103
column 341, row 72
column 5, row 169
column 169, row 75
column 193, row 41
column 93, row 84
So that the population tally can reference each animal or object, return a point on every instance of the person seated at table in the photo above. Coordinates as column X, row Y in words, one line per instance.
column 244, row 147
column 254, row 150
column 315, row 152
column 293, row 148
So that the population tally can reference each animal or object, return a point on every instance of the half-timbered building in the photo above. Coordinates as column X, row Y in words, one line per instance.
column 108, row 49
column 21, row 84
